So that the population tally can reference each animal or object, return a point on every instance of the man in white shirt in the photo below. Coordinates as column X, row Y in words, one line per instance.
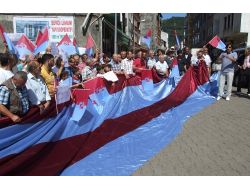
column 151, row 60
column 38, row 92
column 162, row 67
column 127, row 64
column 5, row 70
column 227, row 72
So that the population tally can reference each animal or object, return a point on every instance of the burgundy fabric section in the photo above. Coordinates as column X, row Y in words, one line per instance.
column 53, row 157
column 122, row 83
column 33, row 114
column 91, row 86
column 48, row 158
column 155, row 76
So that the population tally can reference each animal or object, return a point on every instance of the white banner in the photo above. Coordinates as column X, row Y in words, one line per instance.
column 58, row 26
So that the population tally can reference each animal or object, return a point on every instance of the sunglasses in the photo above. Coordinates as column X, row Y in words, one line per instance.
column 229, row 47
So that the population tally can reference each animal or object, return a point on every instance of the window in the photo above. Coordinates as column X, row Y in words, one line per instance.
column 30, row 30
column 228, row 21
column 232, row 20
column 225, row 23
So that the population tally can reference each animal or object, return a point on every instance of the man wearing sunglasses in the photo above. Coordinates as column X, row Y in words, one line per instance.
column 227, row 72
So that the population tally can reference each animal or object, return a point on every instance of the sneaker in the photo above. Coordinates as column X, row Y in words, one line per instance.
column 248, row 94
column 219, row 97
column 227, row 98
column 238, row 93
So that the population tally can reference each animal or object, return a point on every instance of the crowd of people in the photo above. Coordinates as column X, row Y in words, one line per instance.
column 32, row 81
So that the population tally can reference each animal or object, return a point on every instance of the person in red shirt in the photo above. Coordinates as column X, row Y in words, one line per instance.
column 139, row 63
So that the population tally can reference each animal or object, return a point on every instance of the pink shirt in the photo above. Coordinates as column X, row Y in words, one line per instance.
column 81, row 66
column 247, row 62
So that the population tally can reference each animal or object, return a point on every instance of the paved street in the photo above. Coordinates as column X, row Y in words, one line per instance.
column 216, row 141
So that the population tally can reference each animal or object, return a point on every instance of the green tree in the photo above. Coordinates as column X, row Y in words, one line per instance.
column 172, row 24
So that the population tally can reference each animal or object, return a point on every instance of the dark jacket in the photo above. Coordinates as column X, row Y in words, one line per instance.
column 187, row 61
column 15, row 105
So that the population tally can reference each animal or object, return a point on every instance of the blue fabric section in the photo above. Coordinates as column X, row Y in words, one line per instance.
column 68, row 49
column 10, row 45
column 175, row 72
column 90, row 52
column 41, row 48
column 221, row 45
column 126, row 154
column 16, row 138
column 23, row 51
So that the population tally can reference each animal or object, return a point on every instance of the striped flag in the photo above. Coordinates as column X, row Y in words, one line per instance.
column 90, row 43
column 177, row 40
column 42, row 42
column 217, row 43
column 24, row 46
column 66, row 45
column 39, row 36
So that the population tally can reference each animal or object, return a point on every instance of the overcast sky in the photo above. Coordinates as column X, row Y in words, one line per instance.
column 169, row 15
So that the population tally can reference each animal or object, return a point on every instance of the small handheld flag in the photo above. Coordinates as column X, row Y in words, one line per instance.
column 217, row 43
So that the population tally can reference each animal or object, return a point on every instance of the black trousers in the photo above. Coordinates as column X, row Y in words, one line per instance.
column 244, row 80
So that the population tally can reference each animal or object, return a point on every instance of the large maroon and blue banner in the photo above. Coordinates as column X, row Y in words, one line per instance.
column 107, row 130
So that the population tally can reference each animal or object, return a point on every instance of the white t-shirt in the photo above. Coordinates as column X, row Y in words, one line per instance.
column 151, row 63
column 5, row 75
column 207, row 60
column 161, row 67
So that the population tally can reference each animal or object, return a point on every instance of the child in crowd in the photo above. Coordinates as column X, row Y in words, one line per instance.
column 77, row 77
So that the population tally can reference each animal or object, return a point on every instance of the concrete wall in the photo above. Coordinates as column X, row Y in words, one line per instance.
column 150, row 22
column 7, row 22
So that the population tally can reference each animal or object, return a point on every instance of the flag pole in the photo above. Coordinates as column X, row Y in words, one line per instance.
column 55, row 97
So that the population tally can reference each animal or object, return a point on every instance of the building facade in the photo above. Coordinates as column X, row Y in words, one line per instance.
column 230, row 27
column 199, row 28
column 130, row 27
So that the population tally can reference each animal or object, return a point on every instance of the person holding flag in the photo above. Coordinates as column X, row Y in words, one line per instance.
column 227, row 72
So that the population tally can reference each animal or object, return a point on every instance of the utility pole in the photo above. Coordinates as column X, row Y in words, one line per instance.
column 133, row 34
column 115, row 40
